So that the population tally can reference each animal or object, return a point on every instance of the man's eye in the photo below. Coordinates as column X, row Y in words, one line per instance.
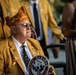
column 26, row 25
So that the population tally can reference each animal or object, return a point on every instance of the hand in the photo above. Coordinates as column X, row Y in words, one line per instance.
column 63, row 40
column 50, row 72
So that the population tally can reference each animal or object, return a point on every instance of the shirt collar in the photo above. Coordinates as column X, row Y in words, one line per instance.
column 17, row 43
column 32, row 2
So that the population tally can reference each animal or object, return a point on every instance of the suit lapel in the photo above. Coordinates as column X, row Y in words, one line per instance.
column 32, row 49
column 42, row 16
column 15, row 53
column 41, row 12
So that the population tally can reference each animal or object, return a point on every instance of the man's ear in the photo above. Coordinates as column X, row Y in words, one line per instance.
column 13, row 29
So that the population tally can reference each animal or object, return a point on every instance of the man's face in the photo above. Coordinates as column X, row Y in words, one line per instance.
column 23, row 29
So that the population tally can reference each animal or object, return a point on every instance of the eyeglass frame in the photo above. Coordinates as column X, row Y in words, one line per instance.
column 25, row 25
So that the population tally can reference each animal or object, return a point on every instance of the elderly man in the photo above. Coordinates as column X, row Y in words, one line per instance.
column 12, row 59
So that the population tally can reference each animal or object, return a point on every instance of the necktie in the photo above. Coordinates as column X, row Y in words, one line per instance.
column 36, row 19
column 25, row 57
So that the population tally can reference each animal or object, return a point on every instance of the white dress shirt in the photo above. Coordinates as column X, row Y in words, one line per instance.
column 19, row 49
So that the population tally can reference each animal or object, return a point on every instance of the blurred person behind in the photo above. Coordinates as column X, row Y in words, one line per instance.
column 69, row 31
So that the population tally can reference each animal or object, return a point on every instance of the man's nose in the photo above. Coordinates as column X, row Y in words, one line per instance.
column 28, row 27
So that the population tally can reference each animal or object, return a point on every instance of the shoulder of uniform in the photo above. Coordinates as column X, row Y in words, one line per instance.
column 31, row 39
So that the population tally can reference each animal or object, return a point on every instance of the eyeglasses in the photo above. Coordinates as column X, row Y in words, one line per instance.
column 25, row 25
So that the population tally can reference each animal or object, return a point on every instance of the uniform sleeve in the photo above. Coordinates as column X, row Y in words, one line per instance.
column 52, row 23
